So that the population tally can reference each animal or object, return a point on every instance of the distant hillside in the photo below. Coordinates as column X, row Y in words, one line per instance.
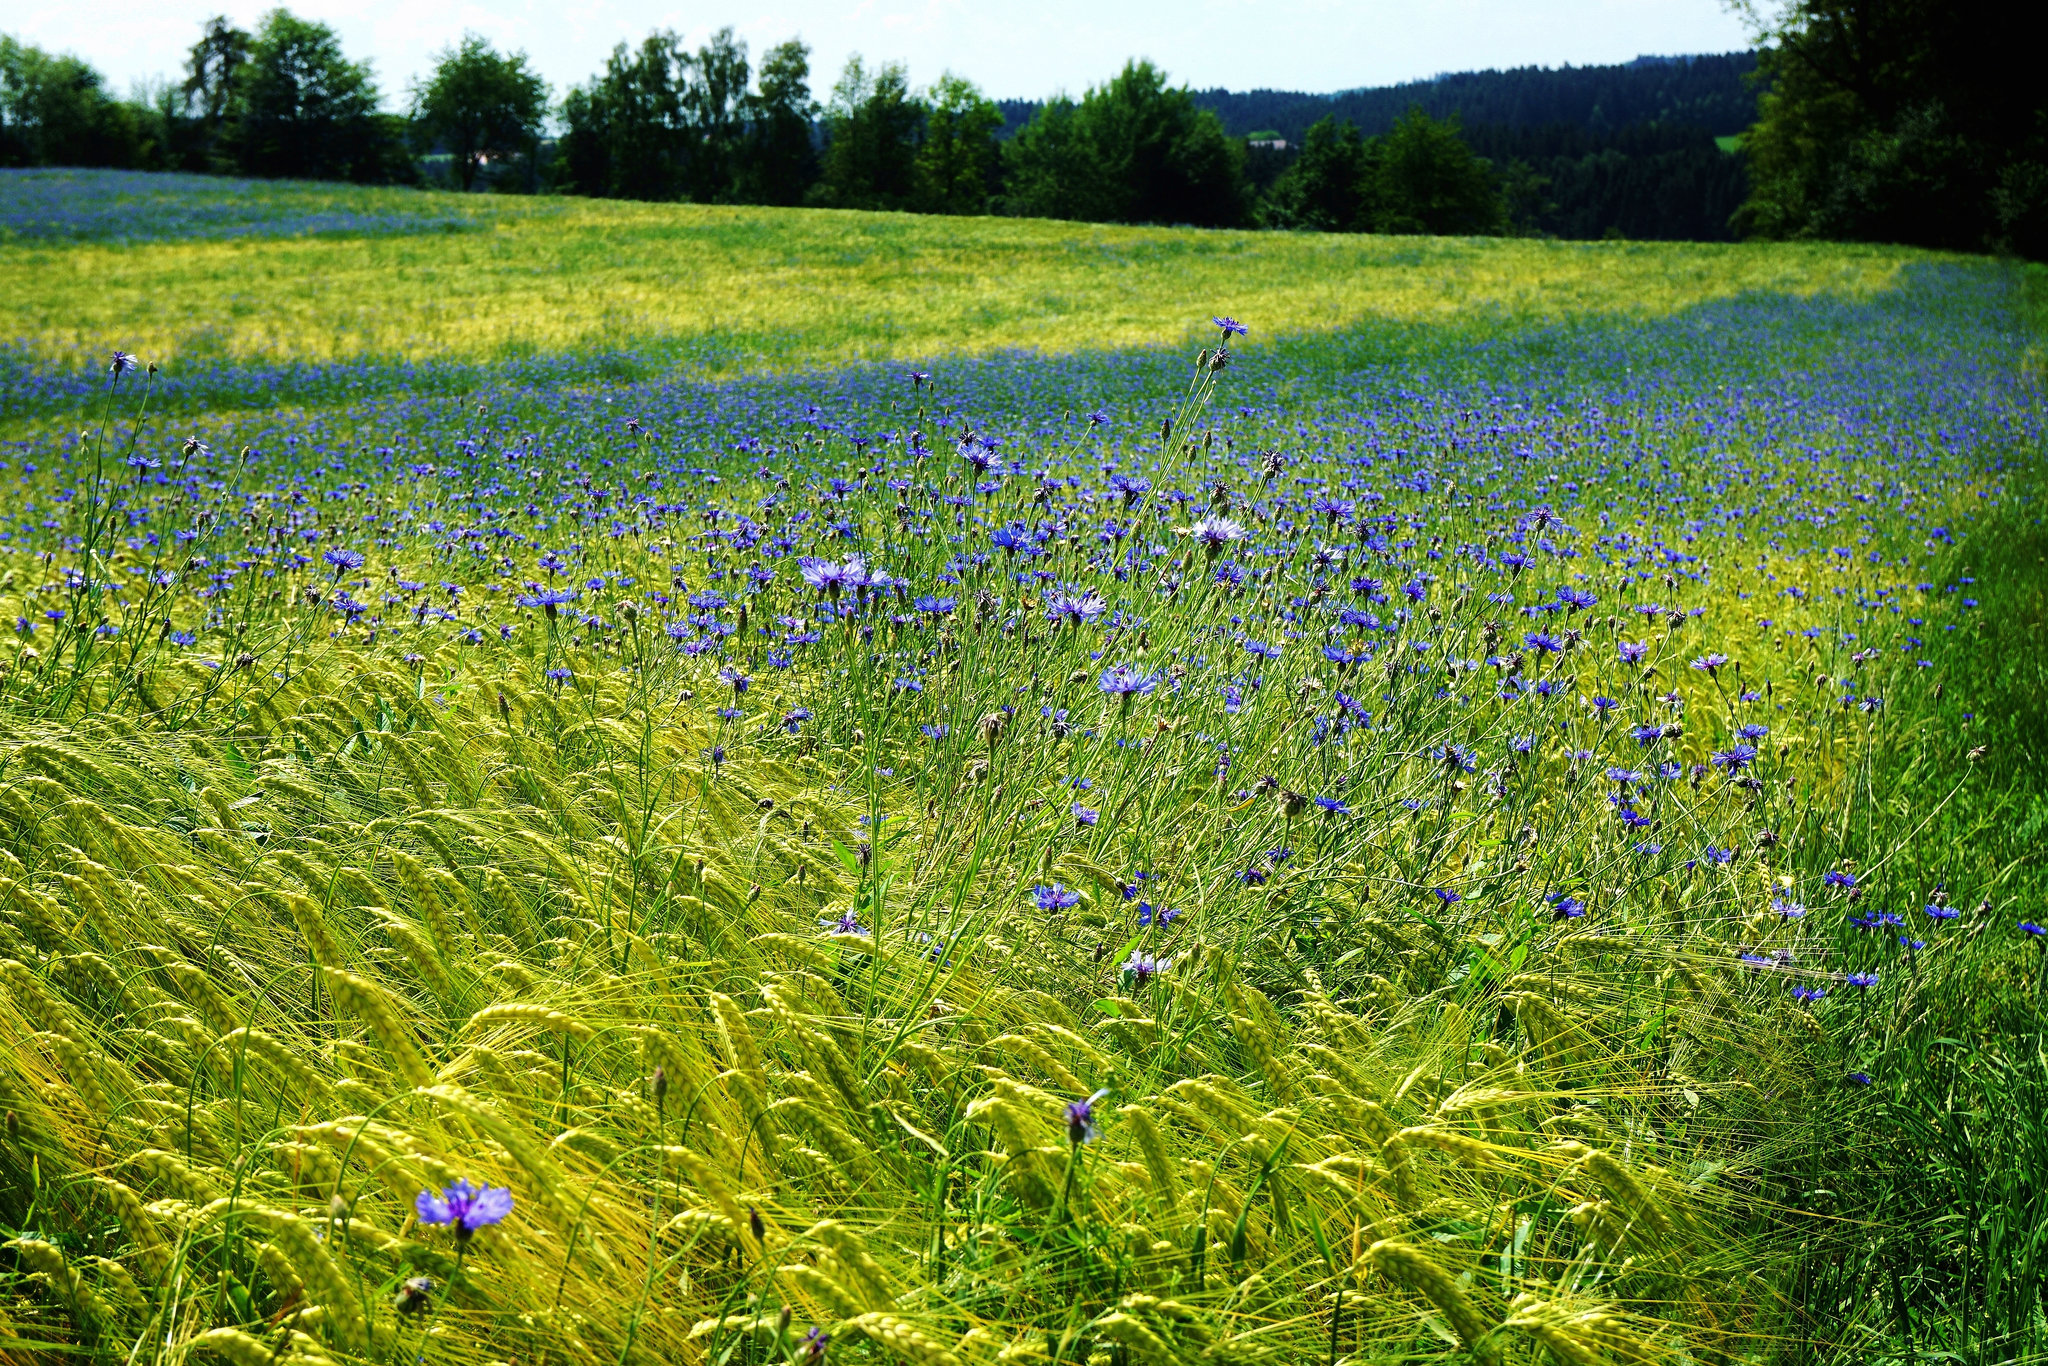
column 1709, row 92
column 1587, row 151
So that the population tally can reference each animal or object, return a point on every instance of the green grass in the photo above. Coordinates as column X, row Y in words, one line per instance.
column 724, row 291
column 745, row 993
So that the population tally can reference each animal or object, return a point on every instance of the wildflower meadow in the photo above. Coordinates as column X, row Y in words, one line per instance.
column 1397, row 814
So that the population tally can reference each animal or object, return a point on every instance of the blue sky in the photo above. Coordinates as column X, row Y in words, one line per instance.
column 1027, row 49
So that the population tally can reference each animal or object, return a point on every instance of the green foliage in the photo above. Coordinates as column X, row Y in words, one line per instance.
column 663, row 122
column 1327, row 188
column 874, row 129
column 1426, row 180
column 55, row 111
column 623, row 134
column 1418, row 178
column 300, row 108
column 1903, row 121
column 959, row 164
column 212, row 67
column 780, row 163
column 481, row 106
column 1134, row 150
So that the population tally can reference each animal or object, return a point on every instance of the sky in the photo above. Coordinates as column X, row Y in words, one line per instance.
column 1012, row 50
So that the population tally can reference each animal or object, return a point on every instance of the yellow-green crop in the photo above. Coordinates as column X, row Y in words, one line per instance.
column 727, row 290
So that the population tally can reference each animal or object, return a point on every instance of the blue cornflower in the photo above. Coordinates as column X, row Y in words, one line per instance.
column 1085, row 815
column 1142, row 967
column 1862, row 981
column 1126, row 681
column 463, row 1207
column 1565, row 907
column 343, row 560
column 1941, row 912
column 1055, row 898
column 1456, row 758
column 1081, row 1119
column 1331, row 806
column 1231, row 328
column 1074, row 606
column 794, row 718
column 2029, row 927
column 547, row 599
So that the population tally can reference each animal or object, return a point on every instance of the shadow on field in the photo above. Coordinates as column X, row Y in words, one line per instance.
column 1937, row 1179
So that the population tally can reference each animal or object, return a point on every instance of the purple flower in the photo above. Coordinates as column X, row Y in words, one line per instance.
column 1085, row 815
column 547, row 599
column 1055, row 898
column 1149, row 915
column 830, row 578
column 1142, row 967
column 1126, row 681
column 1216, row 532
column 1074, row 606
column 1231, row 327
column 1081, row 1119
column 464, row 1207
column 343, row 560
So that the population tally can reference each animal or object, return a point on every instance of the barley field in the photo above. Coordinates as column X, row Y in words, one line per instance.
column 593, row 783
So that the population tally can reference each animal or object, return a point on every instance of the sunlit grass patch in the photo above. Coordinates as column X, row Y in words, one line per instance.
column 727, row 290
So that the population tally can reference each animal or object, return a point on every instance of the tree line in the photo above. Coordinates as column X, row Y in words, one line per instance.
column 664, row 121
column 1915, row 121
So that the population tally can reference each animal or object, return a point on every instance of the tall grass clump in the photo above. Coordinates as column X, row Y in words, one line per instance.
column 1485, row 873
